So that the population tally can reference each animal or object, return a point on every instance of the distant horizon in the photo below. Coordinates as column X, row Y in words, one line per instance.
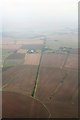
column 39, row 15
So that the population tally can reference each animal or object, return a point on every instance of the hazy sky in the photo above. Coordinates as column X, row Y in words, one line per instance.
column 37, row 14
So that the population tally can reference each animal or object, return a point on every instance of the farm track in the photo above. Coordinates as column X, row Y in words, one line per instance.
column 33, row 104
column 65, row 61
column 59, row 86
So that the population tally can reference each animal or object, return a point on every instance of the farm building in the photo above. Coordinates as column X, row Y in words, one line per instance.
column 31, row 51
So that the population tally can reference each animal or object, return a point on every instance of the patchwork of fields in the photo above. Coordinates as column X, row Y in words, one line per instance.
column 35, row 66
column 58, row 87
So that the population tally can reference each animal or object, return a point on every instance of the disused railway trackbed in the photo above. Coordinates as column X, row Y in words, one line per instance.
column 37, row 74
column 36, row 79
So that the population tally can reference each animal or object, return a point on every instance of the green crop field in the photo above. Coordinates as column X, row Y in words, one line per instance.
column 11, row 62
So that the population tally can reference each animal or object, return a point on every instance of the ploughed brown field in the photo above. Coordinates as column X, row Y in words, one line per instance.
column 67, row 91
column 62, row 109
column 72, row 61
column 57, row 89
column 21, row 106
column 53, row 60
column 75, row 51
column 32, row 59
column 49, row 80
column 20, row 79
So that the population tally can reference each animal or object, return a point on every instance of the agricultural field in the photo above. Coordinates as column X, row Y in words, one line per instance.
column 53, row 60
column 49, row 79
column 8, row 41
column 66, row 93
column 1, row 65
column 11, row 62
column 5, row 54
column 56, row 42
column 23, row 51
column 29, row 41
column 19, row 79
column 55, row 91
column 62, row 109
column 11, row 47
column 32, row 59
column 16, row 56
column 0, row 78
column 72, row 61
column 26, row 106
column 75, row 51
column 21, row 41
column 63, row 40
column 14, row 60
